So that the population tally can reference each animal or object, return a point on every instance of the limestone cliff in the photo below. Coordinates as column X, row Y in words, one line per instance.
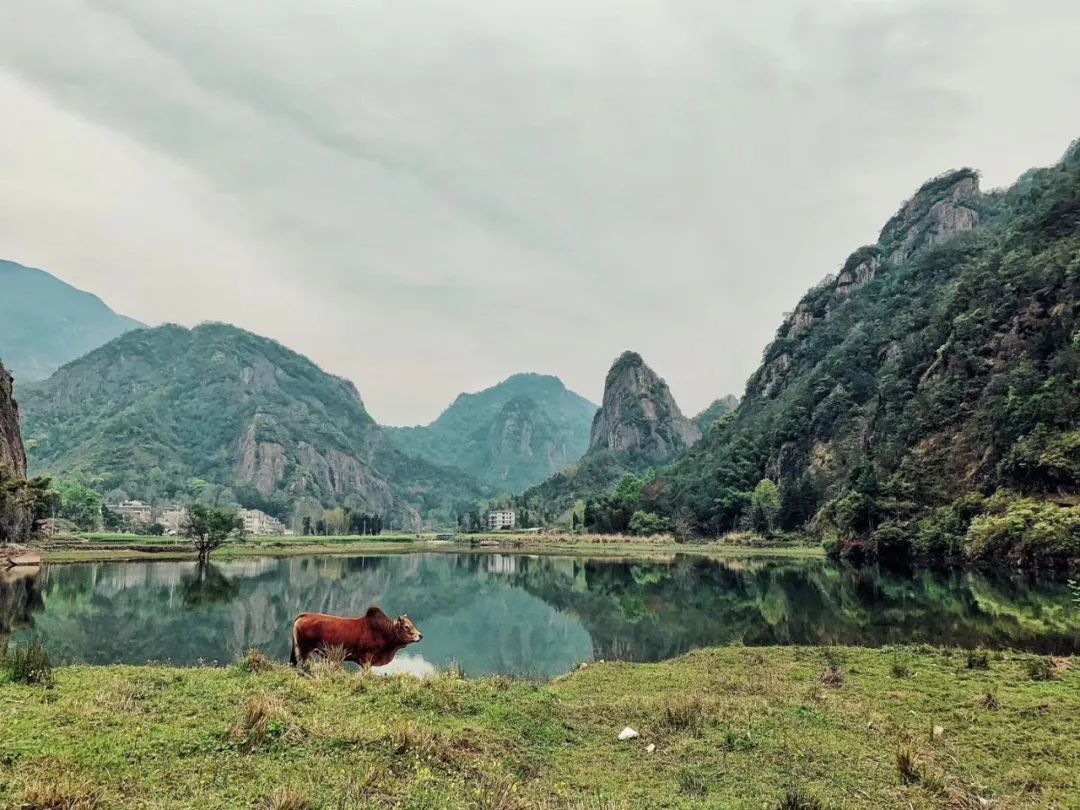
column 639, row 414
column 12, row 455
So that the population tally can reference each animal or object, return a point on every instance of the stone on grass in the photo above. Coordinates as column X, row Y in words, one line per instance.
column 628, row 734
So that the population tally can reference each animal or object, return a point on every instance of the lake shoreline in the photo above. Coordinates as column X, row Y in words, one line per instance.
column 742, row 727
column 154, row 548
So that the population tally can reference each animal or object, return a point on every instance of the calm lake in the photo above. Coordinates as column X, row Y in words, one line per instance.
column 520, row 615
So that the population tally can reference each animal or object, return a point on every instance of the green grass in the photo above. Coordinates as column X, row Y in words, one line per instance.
column 93, row 547
column 733, row 728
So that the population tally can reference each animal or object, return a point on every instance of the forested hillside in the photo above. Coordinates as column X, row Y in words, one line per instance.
column 45, row 322
column 215, row 413
column 923, row 402
column 511, row 436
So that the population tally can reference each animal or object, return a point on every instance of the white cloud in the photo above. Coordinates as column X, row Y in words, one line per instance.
column 429, row 196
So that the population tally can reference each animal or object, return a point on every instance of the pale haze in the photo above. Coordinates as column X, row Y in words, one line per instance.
column 426, row 197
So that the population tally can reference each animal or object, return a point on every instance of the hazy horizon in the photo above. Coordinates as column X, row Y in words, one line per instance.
column 426, row 199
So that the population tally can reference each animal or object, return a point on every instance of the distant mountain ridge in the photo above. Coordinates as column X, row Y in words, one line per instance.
column 46, row 322
column 510, row 436
column 169, row 414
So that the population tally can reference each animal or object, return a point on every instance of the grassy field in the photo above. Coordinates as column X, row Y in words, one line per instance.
column 91, row 547
column 734, row 727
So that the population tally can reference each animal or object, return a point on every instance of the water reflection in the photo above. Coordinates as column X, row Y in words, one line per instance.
column 522, row 615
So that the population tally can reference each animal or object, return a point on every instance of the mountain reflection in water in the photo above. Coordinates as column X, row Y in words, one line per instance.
column 536, row 616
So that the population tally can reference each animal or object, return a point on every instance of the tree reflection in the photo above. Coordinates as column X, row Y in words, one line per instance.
column 206, row 585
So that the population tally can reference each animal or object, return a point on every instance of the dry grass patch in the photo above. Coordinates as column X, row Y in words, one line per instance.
column 262, row 720
column 684, row 713
column 61, row 794
column 255, row 662
column 287, row 798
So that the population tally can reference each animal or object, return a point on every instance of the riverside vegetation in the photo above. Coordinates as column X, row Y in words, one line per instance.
column 733, row 727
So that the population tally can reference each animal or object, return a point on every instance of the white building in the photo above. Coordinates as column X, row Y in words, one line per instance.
column 173, row 519
column 136, row 513
column 501, row 519
column 259, row 524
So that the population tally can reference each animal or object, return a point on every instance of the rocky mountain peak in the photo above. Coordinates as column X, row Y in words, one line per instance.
column 12, row 455
column 940, row 209
column 639, row 414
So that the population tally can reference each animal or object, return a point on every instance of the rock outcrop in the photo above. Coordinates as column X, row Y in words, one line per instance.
column 12, row 454
column 941, row 209
column 639, row 414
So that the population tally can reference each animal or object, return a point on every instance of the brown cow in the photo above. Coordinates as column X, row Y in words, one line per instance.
column 369, row 639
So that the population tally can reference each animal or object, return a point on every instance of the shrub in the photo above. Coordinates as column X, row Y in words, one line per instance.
column 1040, row 668
column 255, row 662
column 900, row 666
column 907, row 763
column 1028, row 532
column 29, row 663
column 978, row 659
column 648, row 523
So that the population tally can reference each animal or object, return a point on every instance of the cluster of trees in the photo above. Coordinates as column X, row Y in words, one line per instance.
column 342, row 521
column 621, row 512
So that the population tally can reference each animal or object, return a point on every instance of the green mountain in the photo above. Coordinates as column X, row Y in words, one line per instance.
column 719, row 408
column 45, row 323
column 216, row 413
column 924, row 401
column 639, row 425
column 511, row 436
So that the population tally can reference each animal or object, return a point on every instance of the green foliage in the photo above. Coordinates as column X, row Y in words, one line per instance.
column 209, row 528
column 764, row 507
column 648, row 523
column 27, row 663
column 1027, row 532
column 23, row 503
column 78, row 503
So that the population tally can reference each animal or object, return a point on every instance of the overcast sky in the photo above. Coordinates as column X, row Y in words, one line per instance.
column 426, row 196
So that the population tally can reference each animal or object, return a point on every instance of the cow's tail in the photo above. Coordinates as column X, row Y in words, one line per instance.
column 294, row 655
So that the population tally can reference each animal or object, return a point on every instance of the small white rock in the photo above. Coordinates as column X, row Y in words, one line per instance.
column 627, row 734
column 650, row 747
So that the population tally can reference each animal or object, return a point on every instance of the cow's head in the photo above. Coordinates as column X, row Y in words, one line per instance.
column 406, row 630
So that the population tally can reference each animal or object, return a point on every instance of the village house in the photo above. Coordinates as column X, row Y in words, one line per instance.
column 501, row 519
column 259, row 524
column 136, row 513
